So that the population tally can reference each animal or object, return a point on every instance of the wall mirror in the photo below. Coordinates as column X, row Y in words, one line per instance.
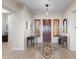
column 65, row 26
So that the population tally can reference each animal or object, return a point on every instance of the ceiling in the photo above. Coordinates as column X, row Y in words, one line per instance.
column 38, row 6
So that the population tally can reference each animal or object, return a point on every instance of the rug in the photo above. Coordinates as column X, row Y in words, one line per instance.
column 47, row 50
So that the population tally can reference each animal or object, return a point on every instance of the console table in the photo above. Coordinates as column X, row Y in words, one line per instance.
column 4, row 38
column 63, row 40
column 30, row 38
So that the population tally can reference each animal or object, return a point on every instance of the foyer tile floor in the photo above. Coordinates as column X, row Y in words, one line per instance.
column 31, row 53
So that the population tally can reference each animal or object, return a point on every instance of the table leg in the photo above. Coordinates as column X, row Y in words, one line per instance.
column 33, row 42
column 27, row 43
column 36, row 40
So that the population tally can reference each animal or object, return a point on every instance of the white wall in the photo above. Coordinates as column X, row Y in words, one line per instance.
column 27, row 16
column 4, row 23
column 70, row 14
column 41, row 17
column 17, row 27
column 17, row 31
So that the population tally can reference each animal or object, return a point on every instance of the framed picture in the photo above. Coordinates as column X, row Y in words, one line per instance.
column 56, row 27
column 37, row 27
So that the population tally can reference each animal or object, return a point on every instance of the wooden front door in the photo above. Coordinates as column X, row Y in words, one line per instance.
column 47, row 30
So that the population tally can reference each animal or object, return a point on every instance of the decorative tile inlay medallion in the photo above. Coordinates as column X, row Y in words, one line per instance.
column 46, row 50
